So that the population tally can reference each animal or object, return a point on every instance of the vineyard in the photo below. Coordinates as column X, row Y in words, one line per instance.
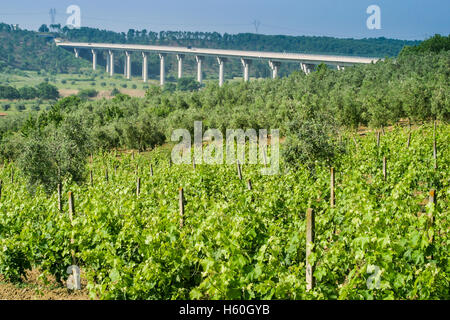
column 383, row 235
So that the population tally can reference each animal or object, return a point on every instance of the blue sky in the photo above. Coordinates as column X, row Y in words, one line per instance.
column 401, row 19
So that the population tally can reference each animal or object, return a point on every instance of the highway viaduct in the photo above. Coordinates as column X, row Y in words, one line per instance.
column 306, row 61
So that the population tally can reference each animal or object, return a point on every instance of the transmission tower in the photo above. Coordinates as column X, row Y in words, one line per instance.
column 256, row 23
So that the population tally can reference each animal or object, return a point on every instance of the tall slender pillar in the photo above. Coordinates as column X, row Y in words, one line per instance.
column 94, row 59
column 246, row 63
column 308, row 68
column 162, row 72
column 199, row 60
column 180, row 65
column 144, row 66
column 221, row 62
column 77, row 52
column 128, row 64
column 275, row 66
column 125, row 66
column 111, row 63
column 108, row 61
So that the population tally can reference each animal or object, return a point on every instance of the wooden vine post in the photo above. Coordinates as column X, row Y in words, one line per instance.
column 106, row 174
column 332, row 197
column 92, row 178
column 434, row 146
column 74, row 268
column 181, row 203
column 432, row 199
column 1, row 183
column 409, row 140
column 239, row 170
column 384, row 168
column 356, row 142
column 249, row 184
column 151, row 170
column 59, row 197
column 310, row 225
column 138, row 186
column 378, row 138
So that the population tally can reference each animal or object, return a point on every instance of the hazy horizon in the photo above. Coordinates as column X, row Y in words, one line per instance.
column 405, row 20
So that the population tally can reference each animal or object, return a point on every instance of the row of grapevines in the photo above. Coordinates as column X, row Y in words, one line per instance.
column 237, row 243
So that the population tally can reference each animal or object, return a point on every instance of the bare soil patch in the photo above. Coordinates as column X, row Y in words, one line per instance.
column 33, row 288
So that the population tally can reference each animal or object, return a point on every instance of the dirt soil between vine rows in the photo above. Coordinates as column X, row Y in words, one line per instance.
column 33, row 288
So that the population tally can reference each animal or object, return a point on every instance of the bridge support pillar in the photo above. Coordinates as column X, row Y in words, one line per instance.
column 199, row 60
column 94, row 59
column 246, row 64
column 162, row 72
column 221, row 62
column 307, row 68
column 125, row 66
column 144, row 66
column 111, row 63
column 275, row 66
column 180, row 65
column 128, row 64
column 77, row 52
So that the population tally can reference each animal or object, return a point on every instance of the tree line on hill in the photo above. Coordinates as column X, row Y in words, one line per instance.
column 43, row 91
column 27, row 50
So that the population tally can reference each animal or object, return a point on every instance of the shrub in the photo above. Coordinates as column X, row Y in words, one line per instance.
column 8, row 92
column 170, row 87
column 115, row 91
column 310, row 141
column 187, row 84
column 87, row 93
column 20, row 107
column 47, row 91
column 28, row 93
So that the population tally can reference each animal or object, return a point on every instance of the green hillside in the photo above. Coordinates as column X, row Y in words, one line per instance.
column 27, row 50
column 16, row 46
